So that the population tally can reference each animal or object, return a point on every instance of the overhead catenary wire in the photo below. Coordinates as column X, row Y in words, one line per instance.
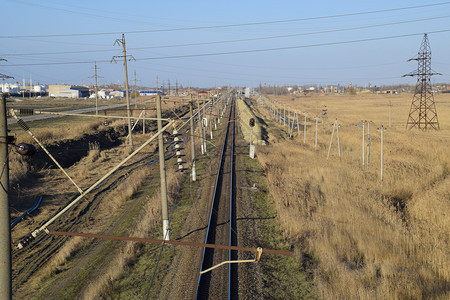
column 92, row 187
column 232, row 25
column 237, row 51
column 230, row 41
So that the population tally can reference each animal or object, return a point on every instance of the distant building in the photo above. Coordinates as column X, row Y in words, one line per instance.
column 102, row 94
column 117, row 94
column 248, row 92
column 149, row 93
column 9, row 88
column 68, row 91
column 39, row 89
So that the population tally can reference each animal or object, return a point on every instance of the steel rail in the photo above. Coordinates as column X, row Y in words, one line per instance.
column 219, row 171
column 99, row 116
column 35, row 233
column 232, row 268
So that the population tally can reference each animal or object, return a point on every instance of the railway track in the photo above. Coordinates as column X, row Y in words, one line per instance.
column 28, row 261
column 221, row 282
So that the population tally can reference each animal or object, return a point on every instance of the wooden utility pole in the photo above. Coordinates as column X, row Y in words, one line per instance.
column 5, row 232
column 127, row 91
column 162, row 170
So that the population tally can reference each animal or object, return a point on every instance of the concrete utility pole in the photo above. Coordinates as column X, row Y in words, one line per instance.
column 157, row 87
column 210, row 117
column 135, row 92
column 96, row 90
column 382, row 129
column 200, row 124
column 194, row 172
column 368, row 143
column 363, row 153
column 390, row 112
column 143, row 121
column 315, row 143
column 127, row 91
column 304, row 130
column 5, row 232
column 335, row 127
column 162, row 170
column 280, row 114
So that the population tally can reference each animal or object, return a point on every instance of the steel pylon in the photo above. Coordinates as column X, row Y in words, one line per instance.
column 423, row 108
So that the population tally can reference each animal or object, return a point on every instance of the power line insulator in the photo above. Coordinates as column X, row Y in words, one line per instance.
column 25, row 241
column 25, row 149
column 178, row 147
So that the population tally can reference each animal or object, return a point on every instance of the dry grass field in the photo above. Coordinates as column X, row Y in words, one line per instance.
column 366, row 240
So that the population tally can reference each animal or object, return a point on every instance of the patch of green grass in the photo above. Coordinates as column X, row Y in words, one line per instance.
column 285, row 277
column 135, row 281
column 108, row 248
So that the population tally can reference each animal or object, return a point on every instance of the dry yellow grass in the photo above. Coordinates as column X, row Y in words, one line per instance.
column 245, row 114
column 148, row 218
column 370, row 241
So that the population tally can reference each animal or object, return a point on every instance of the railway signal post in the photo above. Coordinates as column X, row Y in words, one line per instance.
column 252, row 147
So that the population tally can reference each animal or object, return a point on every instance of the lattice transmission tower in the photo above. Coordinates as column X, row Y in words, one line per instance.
column 423, row 109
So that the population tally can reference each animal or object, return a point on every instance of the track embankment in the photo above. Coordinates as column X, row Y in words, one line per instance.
column 258, row 131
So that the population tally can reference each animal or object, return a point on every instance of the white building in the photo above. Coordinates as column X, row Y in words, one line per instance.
column 117, row 94
column 248, row 92
column 103, row 94
column 39, row 89
column 66, row 93
column 9, row 88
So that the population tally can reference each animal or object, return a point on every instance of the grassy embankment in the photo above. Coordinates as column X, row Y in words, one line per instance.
column 368, row 241
column 139, row 218
column 284, row 277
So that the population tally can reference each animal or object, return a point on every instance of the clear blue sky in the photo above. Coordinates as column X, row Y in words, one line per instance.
column 335, row 61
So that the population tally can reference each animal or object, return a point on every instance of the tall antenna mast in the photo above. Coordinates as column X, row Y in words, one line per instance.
column 423, row 109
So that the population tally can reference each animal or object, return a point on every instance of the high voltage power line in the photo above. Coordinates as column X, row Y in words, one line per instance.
column 233, row 41
column 235, row 52
column 229, row 25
